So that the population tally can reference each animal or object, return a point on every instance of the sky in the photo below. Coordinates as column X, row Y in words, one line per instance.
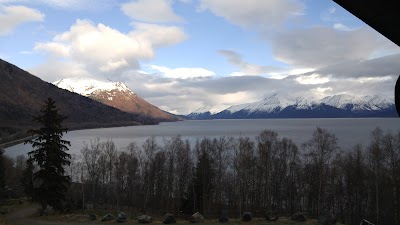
column 181, row 55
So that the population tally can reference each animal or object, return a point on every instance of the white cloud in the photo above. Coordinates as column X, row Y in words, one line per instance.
column 154, row 11
column 13, row 16
column 183, row 73
column 253, row 13
column 158, row 35
column 312, row 79
column 245, row 67
column 290, row 72
column 377, row 67
column 332, row 10
column 80, row 4
column 320, row 46
column 53, row 70
column 68, row 4
column 105, row 50
column 55, row 48
column 330, row 15
column 340, row 26
column 238, row 74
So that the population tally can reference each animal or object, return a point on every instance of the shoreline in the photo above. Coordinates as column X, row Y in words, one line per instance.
column 75, row 127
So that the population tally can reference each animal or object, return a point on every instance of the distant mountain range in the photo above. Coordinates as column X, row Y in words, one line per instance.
column 283, row 106
column 115, row 94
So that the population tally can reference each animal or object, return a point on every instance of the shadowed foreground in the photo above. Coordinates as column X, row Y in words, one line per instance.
column 29, row 215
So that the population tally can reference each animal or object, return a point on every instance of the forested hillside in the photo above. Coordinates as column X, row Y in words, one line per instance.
column 22, row 94
column 234, row 175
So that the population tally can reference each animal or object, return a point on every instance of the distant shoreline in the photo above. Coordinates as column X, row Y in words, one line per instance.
column 74, row 127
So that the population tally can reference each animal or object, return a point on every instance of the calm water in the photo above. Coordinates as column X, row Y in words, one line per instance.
column 348, row 131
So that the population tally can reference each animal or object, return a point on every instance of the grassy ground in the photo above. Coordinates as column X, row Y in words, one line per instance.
column 12, row 205
column 83, row 219
column 133, row 220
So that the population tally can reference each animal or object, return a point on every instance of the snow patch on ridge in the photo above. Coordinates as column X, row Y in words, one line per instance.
column 87, row 86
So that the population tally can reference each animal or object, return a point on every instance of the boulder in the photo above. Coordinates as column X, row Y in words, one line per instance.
column 92, row 216
column 326, row 218
column 108, row 217
column 3, row 211
column 169, row 218
column 224, row 218
column 145, row 219
column 247, row 216
column 67, row 211
column 197, row 218
column 45, row 212
column 365, row 222
column 300, row 217
column 271, row 217
column 122, row 217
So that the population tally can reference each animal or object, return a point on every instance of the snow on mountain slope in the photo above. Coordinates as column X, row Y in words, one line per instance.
column 115, row 94
column 203, row 109
column 272, row 103
column 277, row 105
column 338, row 101
column 203, row 112
column 377, row 102
column 86, row 86
column 367, row 102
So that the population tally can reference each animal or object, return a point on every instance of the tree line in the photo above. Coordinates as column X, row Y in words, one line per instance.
column 233, row 175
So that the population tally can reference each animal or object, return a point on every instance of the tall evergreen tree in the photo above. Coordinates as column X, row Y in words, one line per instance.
column 2, row 173
column 27, row 179
column 49, row 153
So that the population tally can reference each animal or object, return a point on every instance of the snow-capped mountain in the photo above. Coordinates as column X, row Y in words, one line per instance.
column 88, row 87
column 115, row 94
column 272, row 104
column 284, row 106
column 368, row 102
column 203, row 112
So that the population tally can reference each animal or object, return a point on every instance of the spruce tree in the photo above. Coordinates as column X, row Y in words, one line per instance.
column 2, row 173
column 27, row 179
column 49, row 153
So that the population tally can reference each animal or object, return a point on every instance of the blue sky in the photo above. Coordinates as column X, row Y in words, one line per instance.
column 184, row 54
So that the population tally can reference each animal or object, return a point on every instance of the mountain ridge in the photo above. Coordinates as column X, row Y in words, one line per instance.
column 22, row 95
column 114, row 94
column 284, row 106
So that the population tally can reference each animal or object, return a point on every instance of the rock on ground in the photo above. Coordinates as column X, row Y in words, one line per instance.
column 224, row 218
column 300, row 217
column 247, row 216
column 169, row 218
column 197, row 218
column 122, row 217
column 108, row 217
column 145, row 219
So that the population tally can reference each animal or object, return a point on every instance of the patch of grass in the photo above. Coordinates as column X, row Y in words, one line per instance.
column 14, row 204
column 157, row 220
column 3, row 222
column 80, row 217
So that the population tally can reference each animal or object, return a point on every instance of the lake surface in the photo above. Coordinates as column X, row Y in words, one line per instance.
column 348, row 131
